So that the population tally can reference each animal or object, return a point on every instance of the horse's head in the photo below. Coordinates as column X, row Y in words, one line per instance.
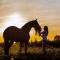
column 27, row 27
column 36, row 26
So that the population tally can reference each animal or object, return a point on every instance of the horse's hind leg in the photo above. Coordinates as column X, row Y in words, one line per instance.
column 21, row 47
column 26, row 43
column 6, row 46
column 25, row 48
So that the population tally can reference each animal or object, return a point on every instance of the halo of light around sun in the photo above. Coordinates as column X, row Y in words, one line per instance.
column 15, row 19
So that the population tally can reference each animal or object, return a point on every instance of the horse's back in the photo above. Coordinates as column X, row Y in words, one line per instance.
column 11, row 32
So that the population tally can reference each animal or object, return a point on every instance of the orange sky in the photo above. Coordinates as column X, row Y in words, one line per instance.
column 46, row 11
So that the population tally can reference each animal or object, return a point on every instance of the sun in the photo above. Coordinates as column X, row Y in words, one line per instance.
column 15, row 19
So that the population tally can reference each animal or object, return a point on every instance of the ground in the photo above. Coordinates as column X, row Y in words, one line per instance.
column 33, row 53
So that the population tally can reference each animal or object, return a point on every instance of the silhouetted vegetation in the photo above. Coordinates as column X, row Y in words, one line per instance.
column 52, row 52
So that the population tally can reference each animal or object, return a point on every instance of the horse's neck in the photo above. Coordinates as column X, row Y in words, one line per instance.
column 27, row 27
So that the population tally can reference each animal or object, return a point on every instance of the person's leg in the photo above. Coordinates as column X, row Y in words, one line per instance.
column 43, row 47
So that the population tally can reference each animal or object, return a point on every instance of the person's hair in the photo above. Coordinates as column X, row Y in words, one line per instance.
column 46, row 29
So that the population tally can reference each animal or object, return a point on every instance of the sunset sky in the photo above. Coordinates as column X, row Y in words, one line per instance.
column 19, row 12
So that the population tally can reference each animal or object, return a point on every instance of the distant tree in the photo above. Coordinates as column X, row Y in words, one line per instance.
column 56, row 42
column 57, row 38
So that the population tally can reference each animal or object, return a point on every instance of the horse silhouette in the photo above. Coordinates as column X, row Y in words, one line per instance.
column 21, row 35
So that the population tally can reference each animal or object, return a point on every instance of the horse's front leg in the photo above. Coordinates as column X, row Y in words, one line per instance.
column 26, row 42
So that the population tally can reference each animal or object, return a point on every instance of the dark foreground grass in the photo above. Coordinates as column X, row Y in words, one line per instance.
column 42, row 56
column 30, row 56
column 33, row 57
column 33, row 53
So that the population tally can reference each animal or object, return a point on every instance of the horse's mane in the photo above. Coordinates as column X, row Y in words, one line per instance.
column 27, row 24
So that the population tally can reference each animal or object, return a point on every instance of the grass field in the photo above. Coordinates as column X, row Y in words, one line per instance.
column 33, row 53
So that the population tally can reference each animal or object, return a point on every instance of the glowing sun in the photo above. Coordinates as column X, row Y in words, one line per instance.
column 14, row 19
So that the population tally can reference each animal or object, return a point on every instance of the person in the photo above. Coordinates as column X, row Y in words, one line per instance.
column 44, row 34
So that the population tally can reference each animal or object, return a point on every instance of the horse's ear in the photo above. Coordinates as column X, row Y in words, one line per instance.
column 36, row 19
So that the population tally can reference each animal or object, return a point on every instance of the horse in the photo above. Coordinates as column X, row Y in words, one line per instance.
column 21, row 35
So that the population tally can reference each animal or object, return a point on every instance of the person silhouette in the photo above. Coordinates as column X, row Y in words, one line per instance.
column 44, row 34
